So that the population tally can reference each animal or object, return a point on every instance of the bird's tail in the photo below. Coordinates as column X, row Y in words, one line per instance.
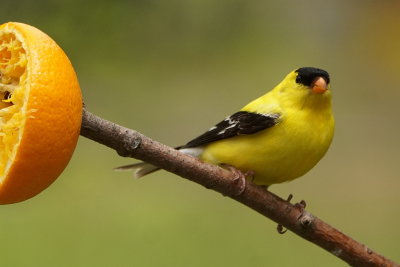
column 139, row 169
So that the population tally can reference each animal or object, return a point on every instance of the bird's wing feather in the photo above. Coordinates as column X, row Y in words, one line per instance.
column 240, row 123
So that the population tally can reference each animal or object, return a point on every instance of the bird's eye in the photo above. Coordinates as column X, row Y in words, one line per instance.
column 298, row 79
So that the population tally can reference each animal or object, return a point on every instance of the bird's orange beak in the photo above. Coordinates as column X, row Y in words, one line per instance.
column 319, row 86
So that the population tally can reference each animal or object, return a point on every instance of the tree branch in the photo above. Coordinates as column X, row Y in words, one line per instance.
column 130, row 143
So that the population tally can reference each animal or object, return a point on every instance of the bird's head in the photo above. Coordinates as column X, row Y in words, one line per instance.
column 312, row 79
column 307, row 85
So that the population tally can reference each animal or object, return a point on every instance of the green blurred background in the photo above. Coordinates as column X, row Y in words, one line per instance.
column 170, row 69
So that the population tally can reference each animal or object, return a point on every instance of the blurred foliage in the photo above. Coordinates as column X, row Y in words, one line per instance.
column 170, row 69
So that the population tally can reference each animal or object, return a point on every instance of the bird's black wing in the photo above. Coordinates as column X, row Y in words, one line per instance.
column 240, row 123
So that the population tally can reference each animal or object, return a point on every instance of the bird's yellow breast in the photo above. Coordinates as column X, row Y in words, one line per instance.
column 283, row 152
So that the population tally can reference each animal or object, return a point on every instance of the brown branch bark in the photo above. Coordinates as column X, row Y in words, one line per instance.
column 130, row 143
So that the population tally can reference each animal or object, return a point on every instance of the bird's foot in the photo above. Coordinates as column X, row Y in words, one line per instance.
column 240, row 178
column 250, row 175
column 300, row 206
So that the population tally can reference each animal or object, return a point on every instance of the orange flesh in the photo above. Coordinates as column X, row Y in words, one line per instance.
column 13, row 92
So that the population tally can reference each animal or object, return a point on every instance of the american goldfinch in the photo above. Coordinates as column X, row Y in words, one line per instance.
column 277, row 137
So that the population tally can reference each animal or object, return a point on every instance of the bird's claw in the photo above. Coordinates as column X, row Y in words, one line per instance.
column 240, row 178
column 289, row 198
column 301, row 205
column 249, row 174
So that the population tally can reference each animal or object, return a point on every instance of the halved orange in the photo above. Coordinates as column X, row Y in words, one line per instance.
column 40, row 111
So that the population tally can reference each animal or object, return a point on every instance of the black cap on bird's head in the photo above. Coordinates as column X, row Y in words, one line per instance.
column 314, row 78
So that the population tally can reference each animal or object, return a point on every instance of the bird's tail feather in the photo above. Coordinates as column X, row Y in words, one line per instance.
column 139, row 169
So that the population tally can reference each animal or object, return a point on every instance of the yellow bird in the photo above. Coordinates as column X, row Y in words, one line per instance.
column 277, row 137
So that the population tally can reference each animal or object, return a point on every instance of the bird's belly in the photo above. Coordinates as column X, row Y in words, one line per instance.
column 275, row 155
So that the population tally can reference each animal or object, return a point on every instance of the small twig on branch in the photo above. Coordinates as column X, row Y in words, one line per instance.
column 129, row 143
